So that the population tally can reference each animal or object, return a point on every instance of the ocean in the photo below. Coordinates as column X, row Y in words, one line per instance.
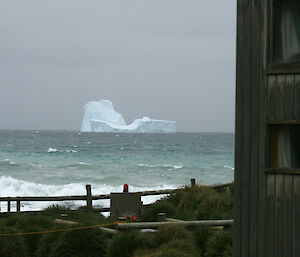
column 49, row 163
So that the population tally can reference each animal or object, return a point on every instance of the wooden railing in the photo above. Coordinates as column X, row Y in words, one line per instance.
column 89, row 198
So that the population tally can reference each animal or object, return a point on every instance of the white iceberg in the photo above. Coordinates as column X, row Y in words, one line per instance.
column 100, row 116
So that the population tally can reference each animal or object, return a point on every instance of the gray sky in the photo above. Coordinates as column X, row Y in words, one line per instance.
column 166, row 59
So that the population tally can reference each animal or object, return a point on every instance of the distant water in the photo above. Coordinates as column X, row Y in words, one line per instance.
column 41, row 163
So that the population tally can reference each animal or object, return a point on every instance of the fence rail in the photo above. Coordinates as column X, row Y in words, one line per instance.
column 89, row 198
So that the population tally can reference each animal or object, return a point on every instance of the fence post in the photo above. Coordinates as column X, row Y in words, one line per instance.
column 193, row 181
column 18, row 205
column 161, row 217
column 8, row 206
column 89, row 197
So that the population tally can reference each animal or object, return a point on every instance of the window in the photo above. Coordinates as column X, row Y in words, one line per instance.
column 284, row 146
column 286, row 31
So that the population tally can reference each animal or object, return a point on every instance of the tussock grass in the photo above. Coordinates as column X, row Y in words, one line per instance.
column 174, row 248
column 194, row 203
column 168, row 233
column 80, row 243
column 46, row 244
column 126, row 243
column 12, row 246
column 39, row 245
column 219, row 244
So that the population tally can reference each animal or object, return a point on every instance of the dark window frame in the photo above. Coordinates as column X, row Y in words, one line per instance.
column 277, row 68
column 276, row 170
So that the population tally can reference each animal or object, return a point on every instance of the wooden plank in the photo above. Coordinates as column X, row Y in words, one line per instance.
column 158, row 192
column 286, row 171
column 279, row 216
column 272, row 98
column 297, row 97
column 173, row 220
column 289, row 97
column 283, row 122
column 65, row 222
column 296, row 234
column 284, row 68
column 218, row 186
column 281, row 79
column 18, row 205
column 207, row 223
column 254, row 126
column 44, row 198
column 262, row 184
column 89, row 201
column 8, row 206
column 270, row 214
column 264, row 99
column 288, row 215
column 109, row 230
column 105, row 209
column 247, row 97
column 237, row 235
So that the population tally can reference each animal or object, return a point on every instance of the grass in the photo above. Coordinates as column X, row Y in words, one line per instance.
column 80, row 243
column 191, row 203
column 13, row 246
column 43, row 245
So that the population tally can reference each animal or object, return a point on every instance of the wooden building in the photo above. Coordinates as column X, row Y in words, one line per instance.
column 267, row 156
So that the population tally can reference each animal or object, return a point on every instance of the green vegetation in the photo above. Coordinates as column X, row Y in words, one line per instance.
column 194, row 203
column 169, row 241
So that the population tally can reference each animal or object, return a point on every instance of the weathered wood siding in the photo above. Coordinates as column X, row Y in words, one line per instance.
column 249, row 182
column 283, row 191
column 267, row 203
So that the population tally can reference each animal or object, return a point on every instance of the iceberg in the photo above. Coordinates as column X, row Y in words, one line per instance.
column 100, row 116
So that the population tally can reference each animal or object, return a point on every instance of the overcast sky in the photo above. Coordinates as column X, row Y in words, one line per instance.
column 166, row 59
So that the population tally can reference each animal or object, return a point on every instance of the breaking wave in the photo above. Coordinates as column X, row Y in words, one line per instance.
column 15, row 187
column 162, row 166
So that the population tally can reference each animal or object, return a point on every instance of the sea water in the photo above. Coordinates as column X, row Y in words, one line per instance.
column 51, row 163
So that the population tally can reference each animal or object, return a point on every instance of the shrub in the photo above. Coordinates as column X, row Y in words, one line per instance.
column 219, row 244
column 82, row 215
column 80, row 243
column 150, row 212
column 205, row 203
column 12, row 246
column 29, row 223
column 174, row 248
column 88, row 218
column 54, row 211
column 201, row 235
column 46, row 244
column 126, row 243
column 170, row 232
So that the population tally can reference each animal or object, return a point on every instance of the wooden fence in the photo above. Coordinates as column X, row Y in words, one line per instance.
column 89, row 198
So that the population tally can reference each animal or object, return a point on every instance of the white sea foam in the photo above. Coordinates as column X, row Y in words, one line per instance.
column 228, row 167
column 84, row 163
column 15, row 187
column 71, row 151
column 10, row 162
column 179, row 166
column 52, row 150
column 176, row 167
